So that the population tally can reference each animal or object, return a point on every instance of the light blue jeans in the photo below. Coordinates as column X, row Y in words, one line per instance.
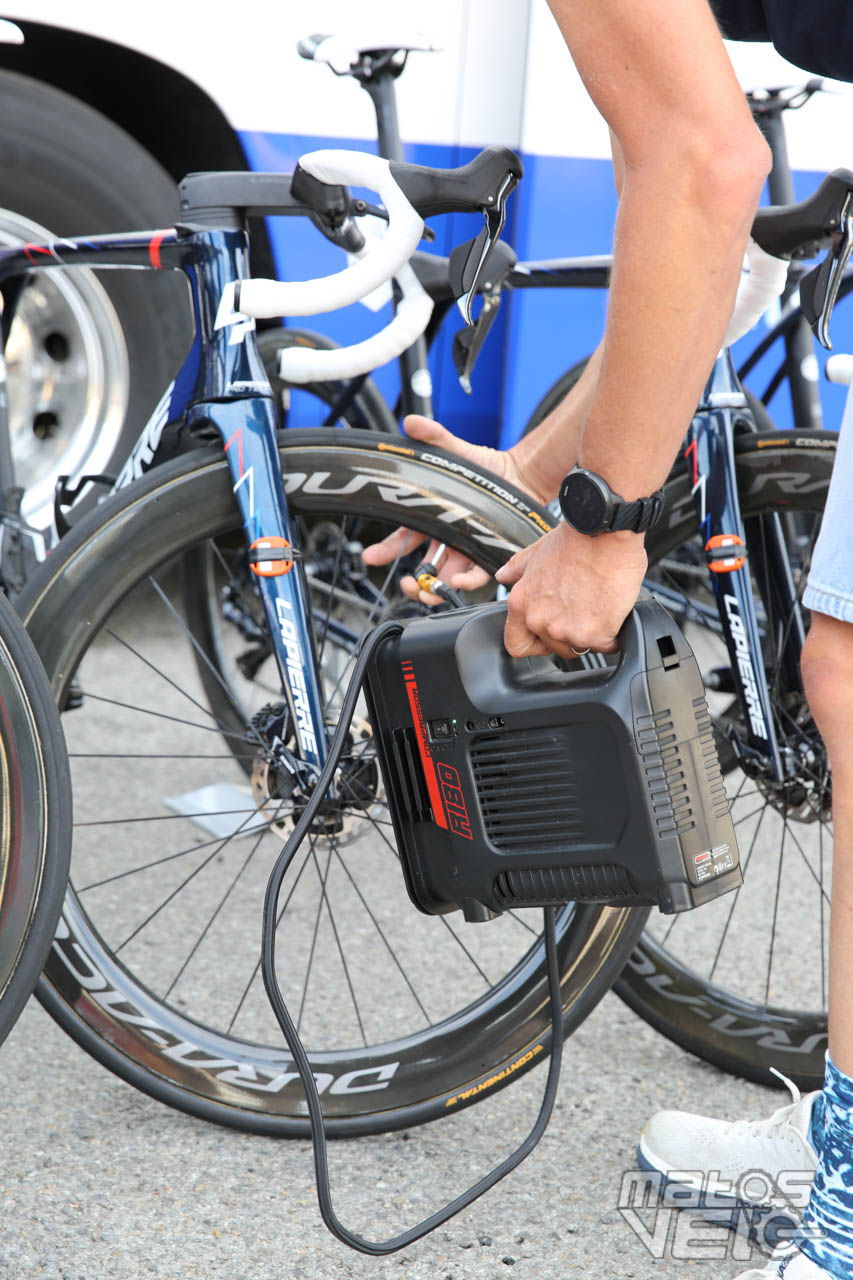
column 830, row 583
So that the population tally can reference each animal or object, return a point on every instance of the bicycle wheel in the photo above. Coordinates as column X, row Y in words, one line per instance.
column 157, row 970
column 742, row 983
column 35, row 817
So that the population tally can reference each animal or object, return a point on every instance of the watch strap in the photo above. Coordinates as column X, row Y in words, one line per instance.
column 639, row 515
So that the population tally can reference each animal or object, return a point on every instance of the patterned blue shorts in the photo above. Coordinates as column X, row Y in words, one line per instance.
column 830, row 583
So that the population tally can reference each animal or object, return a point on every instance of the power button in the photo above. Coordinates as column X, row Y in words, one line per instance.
column 440, row 730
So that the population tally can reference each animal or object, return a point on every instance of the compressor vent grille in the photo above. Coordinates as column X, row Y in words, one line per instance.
column 541, row 886
column 527, row 790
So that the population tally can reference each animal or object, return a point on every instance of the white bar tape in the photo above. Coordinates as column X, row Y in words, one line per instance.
column 298, row 364
column 757, row 290
column 269, row 299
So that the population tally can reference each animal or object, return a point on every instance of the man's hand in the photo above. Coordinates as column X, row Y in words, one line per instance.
column 571, row 593
column 455, row 569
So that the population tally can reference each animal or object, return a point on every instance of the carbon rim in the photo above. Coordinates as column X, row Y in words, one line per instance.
column 23, row 828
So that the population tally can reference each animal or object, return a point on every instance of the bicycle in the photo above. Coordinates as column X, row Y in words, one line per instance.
column 154, row 979
column 665, row 981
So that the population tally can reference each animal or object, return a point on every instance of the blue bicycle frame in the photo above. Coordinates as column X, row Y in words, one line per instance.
column 731, row 546
column 222, row 385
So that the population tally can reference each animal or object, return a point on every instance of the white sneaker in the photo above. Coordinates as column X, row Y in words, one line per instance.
column 788, row 1264
column 753, row 1169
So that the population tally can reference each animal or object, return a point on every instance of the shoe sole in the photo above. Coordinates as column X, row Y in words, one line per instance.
column 767, row 1226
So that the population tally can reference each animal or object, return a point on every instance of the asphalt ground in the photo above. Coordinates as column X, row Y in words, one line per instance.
column 99, row 1180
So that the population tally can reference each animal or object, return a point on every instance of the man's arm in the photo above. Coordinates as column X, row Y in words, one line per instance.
column 694, row 165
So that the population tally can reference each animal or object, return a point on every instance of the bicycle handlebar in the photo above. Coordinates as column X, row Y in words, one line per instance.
column 269, row 299
column 375, row 263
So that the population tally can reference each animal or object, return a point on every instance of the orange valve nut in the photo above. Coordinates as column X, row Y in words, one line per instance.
column 270, row 557
column 733, row 549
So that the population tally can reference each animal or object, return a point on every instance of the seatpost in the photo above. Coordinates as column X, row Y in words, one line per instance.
column 376, row 76
column 799, row 343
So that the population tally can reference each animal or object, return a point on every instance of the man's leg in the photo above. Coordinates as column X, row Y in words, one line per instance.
column 828, row 676
column 827, row 1232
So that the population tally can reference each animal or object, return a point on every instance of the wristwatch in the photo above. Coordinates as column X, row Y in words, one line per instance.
column 589, row 505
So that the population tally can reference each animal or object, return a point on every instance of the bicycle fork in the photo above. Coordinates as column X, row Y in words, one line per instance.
column 739, row 552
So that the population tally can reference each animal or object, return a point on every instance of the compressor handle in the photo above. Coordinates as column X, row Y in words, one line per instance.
column 649, row 639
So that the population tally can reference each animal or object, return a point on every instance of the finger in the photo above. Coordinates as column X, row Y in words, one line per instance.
column 519, row 640
column 469, row 579
column 396, row 544
column 410, row 588
column 428, row 431
column 514, row 568
column 524, row 644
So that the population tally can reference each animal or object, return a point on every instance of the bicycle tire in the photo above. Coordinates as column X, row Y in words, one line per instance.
column 153, row 1041
column 784, row 472
column 35, row 818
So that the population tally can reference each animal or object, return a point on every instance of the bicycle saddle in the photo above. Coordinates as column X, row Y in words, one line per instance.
column 342, row 52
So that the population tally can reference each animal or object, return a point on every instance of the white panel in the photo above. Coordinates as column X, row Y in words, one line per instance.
column 469, row 92
column 560, row 119
column 477, row 90
column 491, row 87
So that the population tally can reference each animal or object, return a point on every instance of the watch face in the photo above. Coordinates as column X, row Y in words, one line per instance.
column 583, row 503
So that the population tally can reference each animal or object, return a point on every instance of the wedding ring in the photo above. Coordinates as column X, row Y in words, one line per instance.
column 579, row 653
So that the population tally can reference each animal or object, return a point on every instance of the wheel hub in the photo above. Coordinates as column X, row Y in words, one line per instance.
column 282, row 787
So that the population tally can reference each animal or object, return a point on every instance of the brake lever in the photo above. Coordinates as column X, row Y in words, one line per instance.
column 468, row 261
column 468, row 342
column 819, row 289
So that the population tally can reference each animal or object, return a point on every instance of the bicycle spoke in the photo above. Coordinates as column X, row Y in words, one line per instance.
column 205, row 931
column 165, row 902
column 389, row 577
column 339, row 945
column 383, row 936
column 147, row 866
column 253, row 976
column 161, row 715
column 775, row 912
column 735, row 896
column 313, row 848
column 678, row 915
column 196, row 647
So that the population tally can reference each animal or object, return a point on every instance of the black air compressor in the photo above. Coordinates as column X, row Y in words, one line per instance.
column 513, row 783
column 521, row 783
